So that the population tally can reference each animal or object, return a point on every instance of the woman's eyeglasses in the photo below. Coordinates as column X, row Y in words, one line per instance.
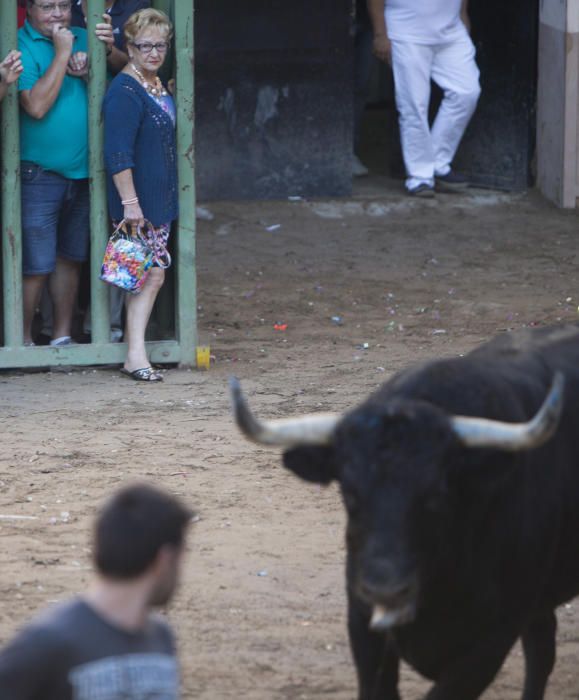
column 146, row 47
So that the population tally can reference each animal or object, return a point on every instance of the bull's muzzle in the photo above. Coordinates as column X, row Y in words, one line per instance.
column 384, row 618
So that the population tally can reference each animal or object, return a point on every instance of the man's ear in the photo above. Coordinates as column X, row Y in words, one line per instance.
column 311, row 463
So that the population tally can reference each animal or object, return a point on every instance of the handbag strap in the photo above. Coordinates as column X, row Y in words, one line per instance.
column 147, row 237
column 161, row 255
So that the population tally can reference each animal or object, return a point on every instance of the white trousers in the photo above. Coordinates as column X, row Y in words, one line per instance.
column 429, row 151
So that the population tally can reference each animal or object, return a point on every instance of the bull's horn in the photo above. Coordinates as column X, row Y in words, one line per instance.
column 480, row 432
column 316, row 429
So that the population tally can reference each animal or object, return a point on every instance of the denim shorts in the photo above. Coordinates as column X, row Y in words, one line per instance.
column 55, row 219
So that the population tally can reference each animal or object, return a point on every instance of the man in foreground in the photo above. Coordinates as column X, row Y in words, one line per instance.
column 107, row 644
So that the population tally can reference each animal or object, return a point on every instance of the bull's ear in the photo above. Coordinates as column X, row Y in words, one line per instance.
column 311, row 463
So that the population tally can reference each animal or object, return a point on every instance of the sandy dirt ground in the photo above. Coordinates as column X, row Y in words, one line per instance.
column 366, row 286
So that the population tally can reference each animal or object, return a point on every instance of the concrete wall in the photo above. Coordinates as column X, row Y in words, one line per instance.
column 557, row 102
column 274, row 98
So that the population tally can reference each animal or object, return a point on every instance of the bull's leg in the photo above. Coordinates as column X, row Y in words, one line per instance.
column 376, row 660
column 468, row 676
column 539, row 647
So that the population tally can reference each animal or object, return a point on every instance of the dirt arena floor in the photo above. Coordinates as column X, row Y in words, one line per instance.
column 363, row 287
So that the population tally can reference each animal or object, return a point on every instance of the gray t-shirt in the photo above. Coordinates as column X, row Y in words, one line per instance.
column 72, row 653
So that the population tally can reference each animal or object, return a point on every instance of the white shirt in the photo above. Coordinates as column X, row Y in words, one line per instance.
column 424, row 21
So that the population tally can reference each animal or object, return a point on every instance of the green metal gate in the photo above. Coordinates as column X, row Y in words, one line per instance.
column 181, row 349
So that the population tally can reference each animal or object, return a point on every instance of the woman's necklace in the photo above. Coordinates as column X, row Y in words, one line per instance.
column 157, row 90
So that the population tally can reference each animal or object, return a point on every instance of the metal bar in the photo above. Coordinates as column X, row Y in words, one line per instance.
column 162, row 351
column 183, row 349
column 11, row 213
column 186, row 294
column 99, row 220
column 166, row 6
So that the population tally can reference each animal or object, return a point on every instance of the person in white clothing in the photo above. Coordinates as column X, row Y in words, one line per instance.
column 428, row 40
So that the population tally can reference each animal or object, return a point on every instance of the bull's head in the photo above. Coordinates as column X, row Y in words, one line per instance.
column 391, row 459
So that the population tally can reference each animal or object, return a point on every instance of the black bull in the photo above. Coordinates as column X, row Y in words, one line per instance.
column 462, row 533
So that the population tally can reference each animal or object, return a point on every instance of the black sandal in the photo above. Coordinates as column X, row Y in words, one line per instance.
column 144, row 374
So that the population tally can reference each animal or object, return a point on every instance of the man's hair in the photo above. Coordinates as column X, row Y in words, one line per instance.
column 133, row 526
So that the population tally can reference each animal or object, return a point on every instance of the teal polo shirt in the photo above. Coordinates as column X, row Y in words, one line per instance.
column 58, row 141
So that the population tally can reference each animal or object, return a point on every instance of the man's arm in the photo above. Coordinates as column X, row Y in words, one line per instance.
column 464, row 14
column 382, row 47
column 39, row 99
column 116, row 60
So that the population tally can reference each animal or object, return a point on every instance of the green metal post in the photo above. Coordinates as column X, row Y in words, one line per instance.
column 11, row 221
column 163, row 319
column 99, row 221
column 186, row 301
column 166, row 6
column 101, row 351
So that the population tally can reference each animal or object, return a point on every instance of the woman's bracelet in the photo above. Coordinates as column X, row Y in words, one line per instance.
column 132, row 200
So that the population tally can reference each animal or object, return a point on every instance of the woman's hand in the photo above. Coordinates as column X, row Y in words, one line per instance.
column 133, row 216
column 78, row 65
column 11, row 67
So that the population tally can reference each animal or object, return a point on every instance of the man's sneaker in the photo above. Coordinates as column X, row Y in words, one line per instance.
column 358, row 168
column 116, row 334
column 423, row 190
column 451, row 182
column 61, row 342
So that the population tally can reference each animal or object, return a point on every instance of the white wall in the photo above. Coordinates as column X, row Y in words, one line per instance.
column 558, row 101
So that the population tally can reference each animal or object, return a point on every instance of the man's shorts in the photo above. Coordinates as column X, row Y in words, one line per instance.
column 55, row 219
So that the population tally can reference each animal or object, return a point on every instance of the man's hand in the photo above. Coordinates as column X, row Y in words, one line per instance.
column 104, row 32
column 11, row 67
column 63, row 39
column 382, row 48
column 78, row 65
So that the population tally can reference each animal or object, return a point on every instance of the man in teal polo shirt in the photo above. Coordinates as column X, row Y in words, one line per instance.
column 54, row 154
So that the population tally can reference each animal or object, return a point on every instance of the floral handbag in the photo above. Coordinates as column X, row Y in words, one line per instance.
column 127, row 260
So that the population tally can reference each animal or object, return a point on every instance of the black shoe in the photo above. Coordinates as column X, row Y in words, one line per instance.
column 451, row 182
column 423, row 190
column 42, row 339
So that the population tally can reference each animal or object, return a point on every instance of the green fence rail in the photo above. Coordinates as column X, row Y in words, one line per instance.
column 181, row 349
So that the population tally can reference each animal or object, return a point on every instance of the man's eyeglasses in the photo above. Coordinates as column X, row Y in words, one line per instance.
column 145, row 47
column 50, row 7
